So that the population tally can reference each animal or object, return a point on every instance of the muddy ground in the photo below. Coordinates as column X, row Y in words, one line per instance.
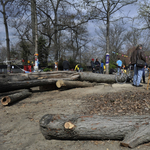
column 19, row 123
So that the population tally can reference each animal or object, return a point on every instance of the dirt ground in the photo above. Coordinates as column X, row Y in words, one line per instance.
column 19, row 123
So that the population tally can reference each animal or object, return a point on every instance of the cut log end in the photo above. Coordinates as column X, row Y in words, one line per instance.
column 5, row 100
column 59, row 83
column 69, row 125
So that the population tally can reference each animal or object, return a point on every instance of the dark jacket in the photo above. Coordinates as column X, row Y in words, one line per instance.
column 138, row 53
column 97, row 63
column 66, row 64
column 92, row 64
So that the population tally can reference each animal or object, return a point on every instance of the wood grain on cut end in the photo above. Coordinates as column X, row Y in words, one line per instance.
column 5, row 100
column 59, row 83
column 69, row 125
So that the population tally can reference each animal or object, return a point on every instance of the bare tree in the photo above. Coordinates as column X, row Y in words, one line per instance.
column 117, row 38
column 4, row 10
column 144, row 14
column 107, row 9
column 59, row 16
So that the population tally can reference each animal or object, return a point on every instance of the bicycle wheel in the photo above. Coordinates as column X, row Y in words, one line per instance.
column 121, row 78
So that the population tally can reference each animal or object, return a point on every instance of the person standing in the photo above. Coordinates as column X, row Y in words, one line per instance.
column 97, row 66
column 119, row 64
column 93, row 65
column 102, row 67
column 66, row 65
column 138, row 71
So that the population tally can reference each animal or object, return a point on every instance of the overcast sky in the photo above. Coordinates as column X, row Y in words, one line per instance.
column 131, row 10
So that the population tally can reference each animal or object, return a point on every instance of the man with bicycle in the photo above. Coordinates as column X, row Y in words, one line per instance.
column 119, row 64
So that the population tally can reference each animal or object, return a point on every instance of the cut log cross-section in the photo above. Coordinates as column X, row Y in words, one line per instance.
column 73, row 84
column 133, row 130
column 6, row 100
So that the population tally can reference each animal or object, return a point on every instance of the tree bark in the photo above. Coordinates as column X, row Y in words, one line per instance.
column 33, row 15
column 7, row 34
column 73, row 84
column 99, row 78
column 6, row 100
column 39, row 75
column 10, row 86
column 135, row 130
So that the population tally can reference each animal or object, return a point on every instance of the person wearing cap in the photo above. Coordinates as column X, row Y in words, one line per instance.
column 137, row 53
column 93, row 65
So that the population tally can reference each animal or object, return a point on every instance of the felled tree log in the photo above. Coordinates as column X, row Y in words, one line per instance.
column 6, row 100
column 16, row 85
column 73, row 84
column 133, row 130
column 95, row 77
column 37, row 75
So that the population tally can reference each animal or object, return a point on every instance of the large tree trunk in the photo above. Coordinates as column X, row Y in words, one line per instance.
column 33, row 15
column 134, row 130
column 39, row 75
column 16, row 85
column 94, row 77
column 7, row 34
column 73, row 84
column 19, row 95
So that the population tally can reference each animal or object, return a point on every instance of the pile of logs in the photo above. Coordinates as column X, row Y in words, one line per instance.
column 15, row 87
column 48, row 81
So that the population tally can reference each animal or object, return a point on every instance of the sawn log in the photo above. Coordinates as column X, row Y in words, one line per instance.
column 16, row 85
column 19, row 95
column 36, row 75
column 73, row 84
column 95, row 77
column 134, row 130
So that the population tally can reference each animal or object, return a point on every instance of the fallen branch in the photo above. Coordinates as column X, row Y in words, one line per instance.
column 134, row 130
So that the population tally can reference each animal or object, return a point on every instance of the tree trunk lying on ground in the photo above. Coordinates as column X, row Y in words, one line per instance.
column 73, row 84
column 6, row 100
column 134, row 130
column 37, row 75
column 16, row 85
column 95, row 77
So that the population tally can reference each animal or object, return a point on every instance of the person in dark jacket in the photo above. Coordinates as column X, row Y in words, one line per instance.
column 66, row 65
column 97, row 66
column 93, row 65
column 137, row 53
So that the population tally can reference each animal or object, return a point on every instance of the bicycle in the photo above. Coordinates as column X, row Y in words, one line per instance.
column 121, row 77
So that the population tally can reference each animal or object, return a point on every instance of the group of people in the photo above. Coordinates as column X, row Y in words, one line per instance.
column 97, row 67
